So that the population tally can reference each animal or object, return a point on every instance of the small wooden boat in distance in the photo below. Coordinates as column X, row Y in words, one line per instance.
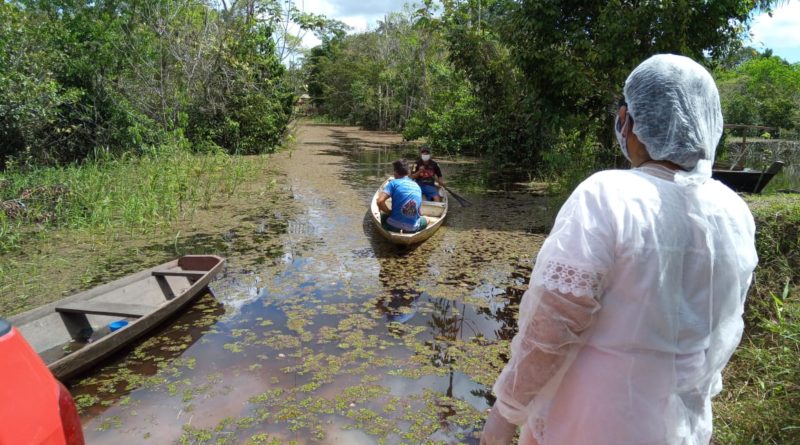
column 746, row 180
column 435, row 212
column 75, row 333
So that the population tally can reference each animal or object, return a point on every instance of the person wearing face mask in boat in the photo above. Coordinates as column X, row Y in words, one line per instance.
column 427, row 173
column 636, row 297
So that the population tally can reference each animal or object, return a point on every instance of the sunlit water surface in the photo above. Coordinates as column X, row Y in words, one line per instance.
column 319, row 331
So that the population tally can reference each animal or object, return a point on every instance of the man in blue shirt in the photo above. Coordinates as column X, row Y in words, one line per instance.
column 406, row 200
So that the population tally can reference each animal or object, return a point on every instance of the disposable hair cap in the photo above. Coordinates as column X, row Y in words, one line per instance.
column 676, row 112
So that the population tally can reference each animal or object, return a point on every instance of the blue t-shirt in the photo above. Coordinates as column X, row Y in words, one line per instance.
column 406, row 200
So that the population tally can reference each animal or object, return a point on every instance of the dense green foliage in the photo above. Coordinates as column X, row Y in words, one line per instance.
column 377, row 79
column 762, row 90
column 397, row 77
column 531, row 84
column 451, row 121
column 102, row 104
column 78, row 77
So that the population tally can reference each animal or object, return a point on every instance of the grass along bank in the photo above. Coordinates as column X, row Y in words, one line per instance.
column 760, row 402
column 131, row 193
column 65, row 229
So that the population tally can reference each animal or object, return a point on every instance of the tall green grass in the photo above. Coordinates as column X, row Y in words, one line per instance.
column 760, row 402
column 130, row 193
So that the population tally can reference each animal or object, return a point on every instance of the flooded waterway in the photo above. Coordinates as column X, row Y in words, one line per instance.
column 318, row 330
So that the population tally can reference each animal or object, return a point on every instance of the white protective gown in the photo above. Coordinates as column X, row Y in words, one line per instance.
column 634, row 308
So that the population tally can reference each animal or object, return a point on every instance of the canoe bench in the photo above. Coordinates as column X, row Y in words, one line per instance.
column 179, row 273
column 94, row 307
column 74, row 313
column 105, row 308
column 191, row 275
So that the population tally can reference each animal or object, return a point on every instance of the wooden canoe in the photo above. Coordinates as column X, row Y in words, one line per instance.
column 435, row 212
column 73, row 334
column 746, row 180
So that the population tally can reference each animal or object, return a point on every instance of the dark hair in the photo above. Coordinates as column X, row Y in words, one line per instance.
column 425, row 149
column 400, row 168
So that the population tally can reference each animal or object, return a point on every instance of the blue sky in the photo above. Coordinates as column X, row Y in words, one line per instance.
column 781, row 32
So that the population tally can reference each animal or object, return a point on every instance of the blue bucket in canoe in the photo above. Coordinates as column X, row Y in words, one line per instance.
column 119, row 324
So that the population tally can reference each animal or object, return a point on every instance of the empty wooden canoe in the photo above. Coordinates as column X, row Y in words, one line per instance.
column 746, row 180
column 74, row 334
column 435, row 212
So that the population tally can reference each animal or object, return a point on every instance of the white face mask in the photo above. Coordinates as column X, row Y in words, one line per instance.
column 619, row 129
column 426, row 157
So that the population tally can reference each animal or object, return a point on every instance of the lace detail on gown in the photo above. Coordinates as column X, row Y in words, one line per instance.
column 566, row 278
column 538, row 430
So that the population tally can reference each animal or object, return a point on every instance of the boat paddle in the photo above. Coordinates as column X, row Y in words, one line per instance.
column 461, row 200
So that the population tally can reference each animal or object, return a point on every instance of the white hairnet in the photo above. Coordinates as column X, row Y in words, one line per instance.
column 676, row 113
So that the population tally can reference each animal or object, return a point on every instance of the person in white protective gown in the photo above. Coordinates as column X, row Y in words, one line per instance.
column 636, row 297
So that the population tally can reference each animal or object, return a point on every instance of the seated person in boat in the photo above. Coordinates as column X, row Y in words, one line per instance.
column 427, row 173
column 406, row 200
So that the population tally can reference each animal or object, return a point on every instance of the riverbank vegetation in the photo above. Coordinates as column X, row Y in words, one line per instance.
column 121, row 77
column 125, row 115
column 119, row 119
column 141, row 194
column 533, row 85
column 81, row 225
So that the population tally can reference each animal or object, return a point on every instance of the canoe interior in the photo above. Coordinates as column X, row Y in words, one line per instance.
column 748, row 181
column 429, row 209
column 64, row 327
column 435, row 212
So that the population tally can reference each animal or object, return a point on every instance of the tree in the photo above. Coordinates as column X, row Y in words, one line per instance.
column 510, row 125
column 380, row 78
column 30, row 94
column 764, row 90
column 573, row 57
column 122, row 76
column 530, row 83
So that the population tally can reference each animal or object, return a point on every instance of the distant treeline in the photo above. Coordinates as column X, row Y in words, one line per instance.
column 534, row 84
column 79, row 78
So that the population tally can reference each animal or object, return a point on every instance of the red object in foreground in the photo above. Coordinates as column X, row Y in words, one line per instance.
column 35, row 408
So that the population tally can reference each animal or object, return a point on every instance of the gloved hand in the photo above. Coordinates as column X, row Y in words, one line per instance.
column 497, row 430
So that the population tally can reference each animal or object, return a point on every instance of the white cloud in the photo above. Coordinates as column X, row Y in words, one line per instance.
column 360, row 15
column 348, row 8
column 325, row 7
column 781, row 32
column 359, row 23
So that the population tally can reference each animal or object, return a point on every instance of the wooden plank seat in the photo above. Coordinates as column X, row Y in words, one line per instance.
column 105, row 308
column 179, row 273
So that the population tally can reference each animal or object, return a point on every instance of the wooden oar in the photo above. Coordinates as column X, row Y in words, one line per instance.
column 461, row 200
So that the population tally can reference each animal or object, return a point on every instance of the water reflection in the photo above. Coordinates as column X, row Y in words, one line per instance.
column 132, row 367
column 399, row 307
column 330, row 334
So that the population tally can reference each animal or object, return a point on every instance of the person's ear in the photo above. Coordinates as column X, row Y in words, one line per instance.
column 629, row 126
column 621, row 112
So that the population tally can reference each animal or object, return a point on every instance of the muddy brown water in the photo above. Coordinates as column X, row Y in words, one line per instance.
column 319, row 331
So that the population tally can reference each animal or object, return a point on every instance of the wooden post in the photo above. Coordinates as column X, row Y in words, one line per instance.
column 738, row 163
